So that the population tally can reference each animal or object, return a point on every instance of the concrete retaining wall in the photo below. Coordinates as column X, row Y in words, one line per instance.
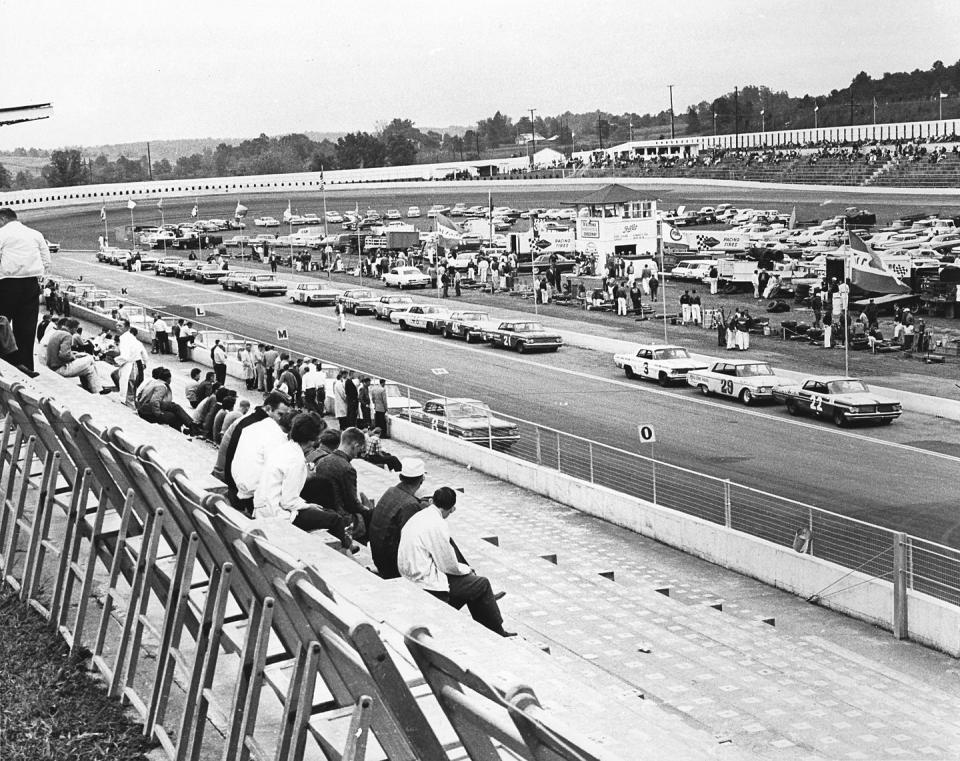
column 931, row 621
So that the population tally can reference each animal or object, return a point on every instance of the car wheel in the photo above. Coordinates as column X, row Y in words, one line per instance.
column 468, row 338
column 521, row 347
column 403, row 325
column 447, row 333
column 703, row 389
column 746, row 396
column 354, row 310
column 839, row 419
column 663, row 380
column 886, row 421
column 628, row 371
column 792, row 407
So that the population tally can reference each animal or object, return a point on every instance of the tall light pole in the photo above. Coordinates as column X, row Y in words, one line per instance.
column 533, row 136
column 672, row 134
column 816, row 122
column 714, row 123
column 763, row 120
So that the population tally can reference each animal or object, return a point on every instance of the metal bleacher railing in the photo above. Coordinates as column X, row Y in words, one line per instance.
column 859, row 546
column 223, row 614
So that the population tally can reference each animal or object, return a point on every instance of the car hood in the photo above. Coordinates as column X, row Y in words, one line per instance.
column 862, row 397
column 683, row 362
column 479, row 422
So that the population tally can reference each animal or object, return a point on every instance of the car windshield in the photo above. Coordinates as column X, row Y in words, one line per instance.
column 526, row 326
column 676, row 353
column 748, row 371
column 362, row 294
column 847, row 387
column 473, row 316
column 461, row 409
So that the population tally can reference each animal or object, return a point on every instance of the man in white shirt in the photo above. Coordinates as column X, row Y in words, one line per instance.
column 314, row 393
column 161, row 335
column 283, row 476
column 263, row 435
column 24, row 260
column 428, row 557
column 131, row 352
column 218, row 356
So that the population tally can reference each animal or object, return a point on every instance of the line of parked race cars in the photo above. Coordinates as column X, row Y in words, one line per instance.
column 841, row 399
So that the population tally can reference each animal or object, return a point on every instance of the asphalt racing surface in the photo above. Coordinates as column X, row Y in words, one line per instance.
column 900, row 476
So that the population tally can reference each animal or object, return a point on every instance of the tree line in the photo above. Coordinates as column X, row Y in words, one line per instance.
column 894, row 97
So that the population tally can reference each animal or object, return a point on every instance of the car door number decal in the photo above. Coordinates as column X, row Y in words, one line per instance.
column 726, row 387
column 816, row 404
column 646, row 368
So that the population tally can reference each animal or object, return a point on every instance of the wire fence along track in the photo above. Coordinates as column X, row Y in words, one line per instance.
column 934, row 569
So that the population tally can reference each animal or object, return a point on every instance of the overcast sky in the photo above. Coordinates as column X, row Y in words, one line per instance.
column 128, row 70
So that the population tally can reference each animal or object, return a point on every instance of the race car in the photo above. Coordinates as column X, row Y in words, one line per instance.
column 313, row 294
column 466, row 325
column 743, row 379
column 840, row 399
column 663, row 363
column 523, row 336
column 420, row 316
column 467, row 419
column 387, row 305
column 359, row 300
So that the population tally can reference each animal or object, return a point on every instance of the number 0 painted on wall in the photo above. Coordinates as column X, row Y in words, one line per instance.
column 647, row 434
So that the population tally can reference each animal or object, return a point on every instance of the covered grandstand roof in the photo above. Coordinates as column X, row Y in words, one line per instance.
column 614, row 193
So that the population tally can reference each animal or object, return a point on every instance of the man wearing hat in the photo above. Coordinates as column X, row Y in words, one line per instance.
column 397, row 505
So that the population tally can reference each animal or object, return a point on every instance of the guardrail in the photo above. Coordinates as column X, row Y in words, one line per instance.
column 929, row 567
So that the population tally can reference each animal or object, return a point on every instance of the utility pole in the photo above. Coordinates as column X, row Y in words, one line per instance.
column 736, row 118
column 600, row 130
column 149, row 164
column 533, row 136
column 672, row 134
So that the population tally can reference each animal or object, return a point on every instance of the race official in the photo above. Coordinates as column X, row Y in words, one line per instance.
column 24, row 260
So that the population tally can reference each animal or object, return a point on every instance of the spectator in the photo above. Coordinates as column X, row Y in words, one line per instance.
column 685, row 307
column 193, row 388
column 428, row 557
column 654, row 285
column 375, row 455
column 270, row 357
column 241, row 409
column 363, row 399
column 397, row 505
column 24, row 257
column 353, row 398
column 246, row 449
column 218, row 356
column 378, row 400
column 743, row 330
column 132, row 361
column 245, row 358
column 340, row 410
column 636, row 297
column 333, row 484
column 161, row 337
column 219, row 419
column 155, row 403
column 283, row 476
column 314, row 393
column 695, row 312
column 63, row 360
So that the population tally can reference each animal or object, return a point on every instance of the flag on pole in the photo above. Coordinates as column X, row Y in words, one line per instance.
column 195, row 210
column 322, row 182
column 240, row 211
column 287, row 213
column 131, row 204
column 447, row 228
column 490, row 204
column 793, row 219
column 816, row 108
column 103, row 213
column 943, row 95
column 160, row 204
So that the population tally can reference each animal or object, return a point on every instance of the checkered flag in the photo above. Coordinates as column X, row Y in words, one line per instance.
column 705, row 241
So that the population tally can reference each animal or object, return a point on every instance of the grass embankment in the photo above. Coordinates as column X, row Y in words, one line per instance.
column 50, row 708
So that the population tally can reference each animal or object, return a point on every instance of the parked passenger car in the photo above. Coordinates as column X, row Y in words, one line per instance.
column 313, row 294
column 406, row 277
column 468, row 419
column 743, row 379
column 840, row 399
column 663, row 363
column 523, row 336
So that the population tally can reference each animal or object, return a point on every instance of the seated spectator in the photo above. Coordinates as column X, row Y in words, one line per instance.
column 226, row 407
column 329, row 441
column 241, row 409
column 207, row 386
column 397, row 505
column 63, row 360
column 283, row 476
column 333, row 484
column 375, row 455
column 154, row 403
column 428, row 557
column 193, row 388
